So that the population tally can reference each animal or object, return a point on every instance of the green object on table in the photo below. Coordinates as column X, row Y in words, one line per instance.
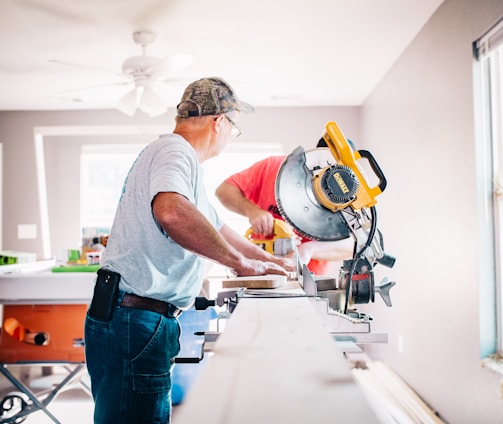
column 73, row 254
column 76, row 268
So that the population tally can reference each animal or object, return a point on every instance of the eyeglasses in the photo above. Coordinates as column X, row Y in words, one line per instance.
column 235, row 131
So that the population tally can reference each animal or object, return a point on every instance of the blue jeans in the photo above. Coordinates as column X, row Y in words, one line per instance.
column 130, row 360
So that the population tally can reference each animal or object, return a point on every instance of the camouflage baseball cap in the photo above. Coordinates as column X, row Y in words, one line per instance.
column 210, row 96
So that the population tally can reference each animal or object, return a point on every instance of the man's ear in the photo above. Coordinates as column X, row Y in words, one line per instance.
column 217, row 123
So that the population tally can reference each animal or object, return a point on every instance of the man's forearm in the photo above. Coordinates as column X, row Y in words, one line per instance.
column 251, row 250
column 327, row 250
column 182, row 222
column 240, row 243
column 233, row 199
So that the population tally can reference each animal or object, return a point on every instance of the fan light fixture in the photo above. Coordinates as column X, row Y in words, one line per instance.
column 144, row 98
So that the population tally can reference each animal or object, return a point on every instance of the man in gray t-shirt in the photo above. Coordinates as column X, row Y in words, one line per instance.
column 152, row 269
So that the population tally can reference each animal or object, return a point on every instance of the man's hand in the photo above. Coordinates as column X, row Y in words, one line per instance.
column 256, row 267
column 286, row 262
column 232, row 198
column 253, row 252
column 262, row 222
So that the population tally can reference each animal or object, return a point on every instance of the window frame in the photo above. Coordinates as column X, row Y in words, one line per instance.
column 488, row 95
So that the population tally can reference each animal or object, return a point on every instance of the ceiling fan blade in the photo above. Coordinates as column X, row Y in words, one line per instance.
column 129, row 102
column 172, row 64
column 82, row 66
column 151, row 103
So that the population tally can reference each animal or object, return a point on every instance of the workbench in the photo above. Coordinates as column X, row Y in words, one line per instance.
column 54, row 303
column 275, row 363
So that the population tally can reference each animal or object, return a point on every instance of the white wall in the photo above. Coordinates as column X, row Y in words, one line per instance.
column 419, row 122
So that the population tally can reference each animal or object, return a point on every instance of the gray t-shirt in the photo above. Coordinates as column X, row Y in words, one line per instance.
column 150, row 262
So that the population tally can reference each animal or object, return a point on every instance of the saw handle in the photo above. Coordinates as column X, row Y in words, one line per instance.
column 251, row 235
column 375, row 167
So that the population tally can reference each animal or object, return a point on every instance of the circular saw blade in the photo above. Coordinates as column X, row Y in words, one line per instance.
column 297, row 202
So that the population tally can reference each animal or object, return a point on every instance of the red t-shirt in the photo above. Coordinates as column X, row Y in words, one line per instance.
column 257, row 183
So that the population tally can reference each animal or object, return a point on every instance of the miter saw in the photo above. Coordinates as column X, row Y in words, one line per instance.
column 324, row 195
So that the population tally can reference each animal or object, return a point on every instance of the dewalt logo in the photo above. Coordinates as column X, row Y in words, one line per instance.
column 340, row 182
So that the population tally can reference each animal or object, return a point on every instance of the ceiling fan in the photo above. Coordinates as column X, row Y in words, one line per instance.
column 143, row 72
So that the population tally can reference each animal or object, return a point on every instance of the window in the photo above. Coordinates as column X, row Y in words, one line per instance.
column 104, row 168
column 488, row 83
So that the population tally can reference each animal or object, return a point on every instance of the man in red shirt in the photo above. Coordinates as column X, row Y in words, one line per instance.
column 251, row 193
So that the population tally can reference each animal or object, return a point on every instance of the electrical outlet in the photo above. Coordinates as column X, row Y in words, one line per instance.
column 26, row 231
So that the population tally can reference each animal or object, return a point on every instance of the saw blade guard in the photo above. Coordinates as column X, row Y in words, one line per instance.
column 296, row 199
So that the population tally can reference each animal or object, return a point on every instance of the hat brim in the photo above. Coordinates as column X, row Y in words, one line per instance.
column 245, row 107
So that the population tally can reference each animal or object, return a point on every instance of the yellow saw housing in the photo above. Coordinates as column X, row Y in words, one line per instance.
column 336, row 187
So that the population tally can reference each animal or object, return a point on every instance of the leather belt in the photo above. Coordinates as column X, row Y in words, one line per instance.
column 167, row 309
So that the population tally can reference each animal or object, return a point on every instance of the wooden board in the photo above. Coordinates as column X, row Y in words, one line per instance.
column 270, row 281
column 275, row 363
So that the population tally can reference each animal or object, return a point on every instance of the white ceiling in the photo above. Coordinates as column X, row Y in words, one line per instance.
column 274, row 52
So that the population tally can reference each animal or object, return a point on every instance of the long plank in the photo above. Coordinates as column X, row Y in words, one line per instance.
column 275, row 363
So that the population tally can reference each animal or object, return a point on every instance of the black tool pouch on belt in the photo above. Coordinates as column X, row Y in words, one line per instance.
column 105, row 295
